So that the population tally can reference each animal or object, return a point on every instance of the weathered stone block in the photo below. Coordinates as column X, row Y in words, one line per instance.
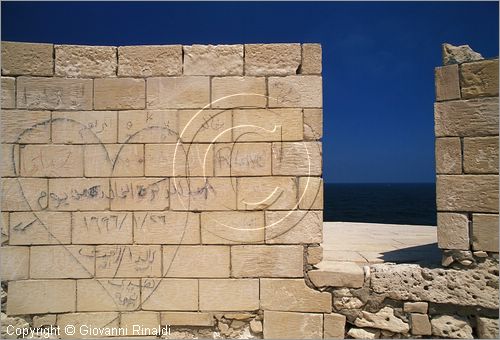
column 150, row 61
column 14, row 263
column 420, row 324
column 8, row 93
column 481, row 155
column 229, row 295
column 311, row 193
column 314, row 254
column 311, row 59
column 334, row 326
column 134, row 321
column 68, row 262
column 275, row 193
column 416, row 307
column 202, row 126
column 114, row 160
column 43, row 227
column 294, row 227
column 485, row 232
column 85, row 61
column 447, row 83
column 453, row 231
column 84, row 127
column 448, row 155
column 243, row 159
column 337, row 274
column 459, row 54
column 187, row 319
column 147, row 126
column 25, row 126
column 27, row 58
column 487, row 328
column 190, row 92
column 232, row 227
column 195, row 261
column 313, row 124
column 383, row 319
column 295, row 91
column 86, row 324
column 119, row 94
column 272, row 59
column 51, row 161
column 10, row 160
column 169, row 294
column 4, row 227
column 45, row 320
column 297, row 158
column 455, row 327
column 479, row 79
column 102, row 227
column 236, row 92
column 218, row 60
column 200, row 194
column 168, row 227
column 289, row 325
column 23, row 194
column 85, row 194
column 128, row 261
column 108, row 295
column 144, row 193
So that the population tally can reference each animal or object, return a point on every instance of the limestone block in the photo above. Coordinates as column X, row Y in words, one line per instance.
column 205, row 126
column 366, row 333
column 149, row 61
column 41, row 297
column 43, row 227
column 85, row 323
column 243, row 159
column 4, row 227
column 292, row 295
column 114, row 160
column 314, row 254
column 232, row 227
column 481, row 155
column 334, row 326
column 54, row 93
column 383, row 319
column 294, row 227
column 289, row 325
column 102, row 227
column 84, row 127
column 169, row 227
column 8, row 93
column 190, row 92
column 313, row 124
column 464, row 118
column 187, row 319
column 196, row 261
column 297, row 158
column 479, row 79
column 454, row 327
column 447, row 82
column 237, row 92
column 467, row 193
column 44, row 320
column 84, row 194
column 272, row 59
column 487, row 328
column 119, row 94
column 311, row 193
column 25, row 126
column 147, row 126
column 10, row 164
column 15, row 263
column 420, row 324
column 337, row 274
column 23, row 194
column 256, row 326
column 453, row 231
column 85, row 61
column 275, row 193
column 62, row 262
column 229, row 295
column 218, row 60
column 128, row 261
column 267, row 261
column 143, row 193
column 200, row 194
column 311, row 59
column 51, row 161
column 256, row 125
column 448, row 155
column 416, row 307
column 169, row 294
column 27, row 58
column 108, row 295
column 295, row 91
column 459, row 54
column 134, row 321
column 485, row 232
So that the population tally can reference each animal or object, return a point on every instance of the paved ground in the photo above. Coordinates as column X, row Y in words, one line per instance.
column 365, row 243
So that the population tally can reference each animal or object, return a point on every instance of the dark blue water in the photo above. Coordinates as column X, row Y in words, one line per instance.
column 381, row 203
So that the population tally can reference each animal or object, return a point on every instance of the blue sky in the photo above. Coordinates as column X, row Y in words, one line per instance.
column 378, row 61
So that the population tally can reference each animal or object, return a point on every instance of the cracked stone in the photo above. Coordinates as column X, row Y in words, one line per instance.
column 451, row 327
column 383, row 319
column 459, row 54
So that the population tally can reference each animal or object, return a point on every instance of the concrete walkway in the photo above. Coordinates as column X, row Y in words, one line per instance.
column 367, row 243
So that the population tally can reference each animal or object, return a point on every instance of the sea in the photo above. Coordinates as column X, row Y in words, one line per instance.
column 401, row 203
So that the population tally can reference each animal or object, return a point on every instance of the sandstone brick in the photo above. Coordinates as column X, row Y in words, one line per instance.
column 218, row 60
column 477, row 193
column 147, row 126
column 465, row 118
column 453, row 231
column 420, row 324
column 229, row 295
column 293, row 295
column 72, row 194
column 25, row 126
column 119, row 94
column 27, row 58
column 85, row 61
column 10, row 160
column 447, row 83
column 14, row 263
column 84, row 127
column 235, row 92
column 210, row 126
column 134, row 321
column 313, row 124
column 297, row 158
column 485, row 232
column 295, row 91
column 448, row 155
column 114, row 160
column 200, row 194
column 51, row 161
column 314, row 254
column 294, row 227
column 311, row 193
column 232, row 227
column 187, row 319
column 179, row 160
column 274, row 193
column 101, row 227
column 85, row 323
column 54, row 93
column 169, row 294
column 479, row 79
column 140, row 193
column 128, row 261
column 416, row 307
column 272, row 59
column 243, row 159
column 108, row 295
column 334, row 326
column 68, row 262
column 23, row 194
column 150, row 61
column 311, row 59
column 266, row 261
column 168, row 227
column 481, row 155
column 43, row 227
column 190, row 92
column 196, row 261
column 4, row 227
column 255, row 125
column 41, row 297
column 8, row 93
column 289, row 325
